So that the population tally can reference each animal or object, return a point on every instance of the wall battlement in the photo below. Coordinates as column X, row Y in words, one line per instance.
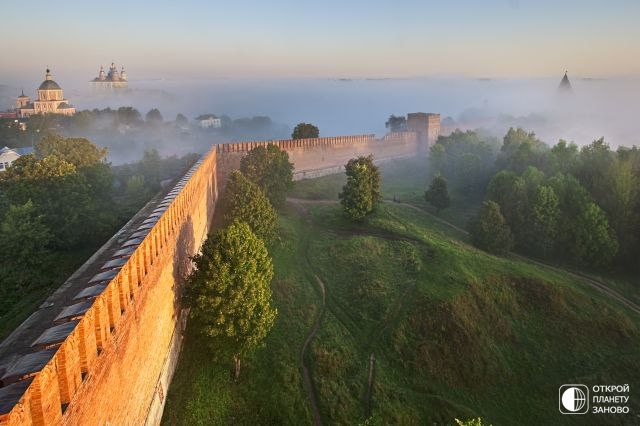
column 106, row 357
column 102, row 349
column 320, row 156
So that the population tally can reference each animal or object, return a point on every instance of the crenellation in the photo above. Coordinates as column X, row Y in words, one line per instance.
column 134, row 319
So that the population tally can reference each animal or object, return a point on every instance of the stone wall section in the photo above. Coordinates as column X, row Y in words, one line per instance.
column 112, row 364
column 321, row 156
column 111, row 359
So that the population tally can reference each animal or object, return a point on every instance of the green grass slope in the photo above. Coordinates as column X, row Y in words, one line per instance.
column 450, row 331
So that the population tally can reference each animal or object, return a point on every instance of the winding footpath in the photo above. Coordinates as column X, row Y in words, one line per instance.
column 306, row 375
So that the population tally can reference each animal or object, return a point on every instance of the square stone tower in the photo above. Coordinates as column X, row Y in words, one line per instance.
column 426, row 125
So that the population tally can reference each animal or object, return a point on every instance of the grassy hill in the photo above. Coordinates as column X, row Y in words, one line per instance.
column 416, row 327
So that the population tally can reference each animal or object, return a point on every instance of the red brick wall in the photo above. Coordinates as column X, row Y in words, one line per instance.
column 122, row 342
column 115, row 366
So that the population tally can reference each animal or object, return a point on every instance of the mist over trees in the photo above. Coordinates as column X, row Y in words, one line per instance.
column 64, row 201
column 562, row 202
column 128, row 134
column 396, row 123
column 438, row 194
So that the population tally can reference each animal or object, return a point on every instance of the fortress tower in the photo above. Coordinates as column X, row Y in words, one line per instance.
column 565, row 85
column 426, row 125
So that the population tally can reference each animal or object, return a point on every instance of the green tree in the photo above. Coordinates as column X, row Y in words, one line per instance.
column 396, row 123
column 437, row 158
column 78, row 151
column 489, row 230
column 621, row 201
column 520, row 150
column 151, row 169
column 229, row 292
column 135, row 193
column 127, row 116
column 154, row 116
column 271, row 170
column 509, row 191
column 57, row 190
column 361, row 193
column 90, row 163
column 594, row 242
column 24, row 240
column 563, row 158
column 543, row 220
column 244, row 201
column 181, row 120
column 305, row 131
column 438, row 194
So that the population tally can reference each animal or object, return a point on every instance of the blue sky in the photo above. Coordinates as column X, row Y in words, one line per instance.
column 349, row 38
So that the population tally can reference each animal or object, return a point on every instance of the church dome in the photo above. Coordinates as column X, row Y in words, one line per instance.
column 48, row 83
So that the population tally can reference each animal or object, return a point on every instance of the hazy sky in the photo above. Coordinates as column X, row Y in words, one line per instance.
column 328, row 38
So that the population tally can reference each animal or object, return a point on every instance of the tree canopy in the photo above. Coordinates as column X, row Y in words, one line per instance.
column 244, row 201
column 229, row 291
column 361, row 193
column 154, row 116
column 489, row 230
column 396, row 123
column 78, row 151
column 305, row 131
column 438, row 194
column 271, row 170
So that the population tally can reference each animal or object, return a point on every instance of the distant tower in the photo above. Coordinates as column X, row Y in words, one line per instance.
column 23, row 100
column 111, row 79
column 426, row 125
column 565, row 85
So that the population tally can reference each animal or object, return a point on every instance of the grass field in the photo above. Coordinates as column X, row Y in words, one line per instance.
column 417, row 328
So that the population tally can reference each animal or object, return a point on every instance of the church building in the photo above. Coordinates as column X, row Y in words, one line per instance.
column 110, row 80
column 50, row 100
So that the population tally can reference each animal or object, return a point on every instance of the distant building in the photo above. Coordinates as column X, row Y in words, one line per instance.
column 565, row 84
column 426, row 125
column 9, row 114
column 209, row 120
column 50, row 100
column 110, row 80
column 9, row 155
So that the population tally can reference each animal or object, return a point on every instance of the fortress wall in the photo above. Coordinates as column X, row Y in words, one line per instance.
column 322, row 156
column 114, row 363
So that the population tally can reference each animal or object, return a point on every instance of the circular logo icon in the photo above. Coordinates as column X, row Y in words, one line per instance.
column 573, row 399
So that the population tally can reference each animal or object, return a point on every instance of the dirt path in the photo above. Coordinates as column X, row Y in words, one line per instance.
column 306, row 374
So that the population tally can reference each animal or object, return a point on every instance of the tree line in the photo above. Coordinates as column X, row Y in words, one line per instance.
column 60, row 203
column 229, row 289
column 564, row 202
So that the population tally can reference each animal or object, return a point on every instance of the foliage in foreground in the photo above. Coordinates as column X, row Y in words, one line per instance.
column 229, row 292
